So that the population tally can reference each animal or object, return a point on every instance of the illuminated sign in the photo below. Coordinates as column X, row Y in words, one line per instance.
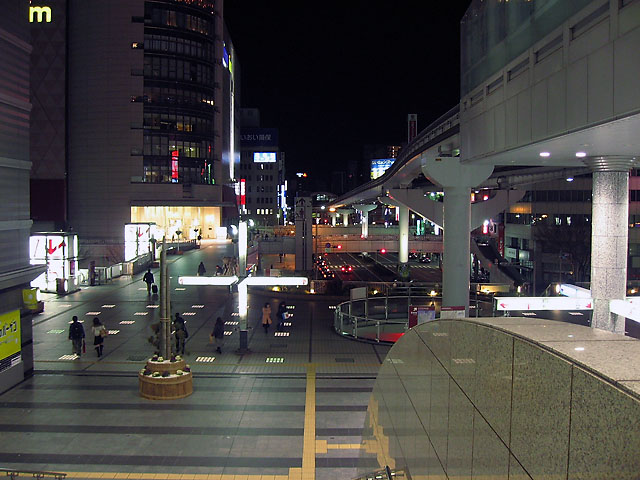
column 174, row 165
column 137, row 240
column 257, row 136
column 379, row 166
column 9, row 334
column 225, row 57
column 40, row 14
column 59, row 253
column 543, row 303
column 243, row 195
column 264, row 157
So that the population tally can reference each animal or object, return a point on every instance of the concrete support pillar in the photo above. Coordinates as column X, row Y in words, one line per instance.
column 365, row 224
column 609, row 237
column 403, row 238
column 456, row 180
column 334, row 216
column 364, row 210
column 403, row 246
column 345, row 215
column 457, row 255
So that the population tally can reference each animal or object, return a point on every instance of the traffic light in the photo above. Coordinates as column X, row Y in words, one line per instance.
column 383, row 250
column 339, row 247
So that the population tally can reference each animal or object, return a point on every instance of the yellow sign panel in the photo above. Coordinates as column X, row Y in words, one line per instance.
column 40, row 14
column 9, row 334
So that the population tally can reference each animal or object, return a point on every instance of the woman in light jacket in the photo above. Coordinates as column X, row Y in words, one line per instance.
column 266, row 317
column 99, row 332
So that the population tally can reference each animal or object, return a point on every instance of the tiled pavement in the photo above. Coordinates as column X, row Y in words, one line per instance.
column 300, row 419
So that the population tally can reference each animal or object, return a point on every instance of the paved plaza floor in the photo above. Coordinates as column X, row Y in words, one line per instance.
column 294, row 407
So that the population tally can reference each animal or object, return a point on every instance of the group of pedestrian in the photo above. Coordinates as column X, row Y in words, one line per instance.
column 180, row 332
column 77, row 336
column 281, row 316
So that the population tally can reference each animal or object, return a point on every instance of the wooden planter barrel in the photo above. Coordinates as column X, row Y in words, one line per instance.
column 166, row 388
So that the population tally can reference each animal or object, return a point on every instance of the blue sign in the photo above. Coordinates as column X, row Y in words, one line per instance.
column 379, row 166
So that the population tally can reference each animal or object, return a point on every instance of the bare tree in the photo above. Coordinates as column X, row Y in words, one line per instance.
column 572, row 242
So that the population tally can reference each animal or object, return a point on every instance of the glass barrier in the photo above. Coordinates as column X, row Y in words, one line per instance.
column 495, row 32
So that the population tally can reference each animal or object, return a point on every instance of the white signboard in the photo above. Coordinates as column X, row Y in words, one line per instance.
column 543, row 303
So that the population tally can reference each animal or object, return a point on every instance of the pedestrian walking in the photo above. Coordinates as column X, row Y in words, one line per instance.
column 266, row 317
column 180, row 333
column 218, row 334
column 76, row 335
column 99, row 332
column 201, row 269
column 149, row 280
column 281, row 315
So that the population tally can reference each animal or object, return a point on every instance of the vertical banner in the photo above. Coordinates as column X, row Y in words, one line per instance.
column 175, row 155
column 501, row 239
column 10, row 343
column 412, row 126
column 243, row 194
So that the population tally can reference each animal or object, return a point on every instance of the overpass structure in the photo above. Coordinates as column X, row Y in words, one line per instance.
column 551, row 93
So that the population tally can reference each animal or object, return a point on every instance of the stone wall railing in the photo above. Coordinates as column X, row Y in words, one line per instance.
column 507, row 398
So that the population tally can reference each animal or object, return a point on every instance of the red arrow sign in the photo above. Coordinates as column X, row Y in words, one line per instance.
column 52, row 249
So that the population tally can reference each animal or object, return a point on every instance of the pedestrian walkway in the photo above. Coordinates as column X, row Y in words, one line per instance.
column 293, row 408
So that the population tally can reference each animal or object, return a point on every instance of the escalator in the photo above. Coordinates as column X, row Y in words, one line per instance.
column 499, row 267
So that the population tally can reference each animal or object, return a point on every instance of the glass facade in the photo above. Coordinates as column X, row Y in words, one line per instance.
column 179, row 106
column 495, row 32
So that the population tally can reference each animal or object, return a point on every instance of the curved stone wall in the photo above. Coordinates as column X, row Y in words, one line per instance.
column 507, row 398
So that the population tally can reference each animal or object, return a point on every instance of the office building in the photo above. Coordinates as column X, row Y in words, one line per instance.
column 16, row 344
column 262, row 191
column 146, row 128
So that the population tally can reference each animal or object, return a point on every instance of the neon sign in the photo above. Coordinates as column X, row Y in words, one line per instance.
column 175, row 154
column 39, row 14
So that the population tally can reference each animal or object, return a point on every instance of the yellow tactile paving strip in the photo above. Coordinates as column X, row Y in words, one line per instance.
column 309, row 445
column 172, row 476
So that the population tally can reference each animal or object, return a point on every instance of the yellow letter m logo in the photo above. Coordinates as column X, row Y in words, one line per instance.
column 36, row 14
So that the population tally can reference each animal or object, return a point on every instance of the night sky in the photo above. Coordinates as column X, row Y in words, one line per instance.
column 335, row 75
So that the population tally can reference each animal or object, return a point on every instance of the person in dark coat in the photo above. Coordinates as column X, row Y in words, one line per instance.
column 201, row 269
column 281, row 315
column 180, row 332
column 218, row 334
column 149, row 280
column 76, row 335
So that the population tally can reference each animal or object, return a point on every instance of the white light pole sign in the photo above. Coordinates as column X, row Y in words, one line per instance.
column 243, row 294
column 243, row 284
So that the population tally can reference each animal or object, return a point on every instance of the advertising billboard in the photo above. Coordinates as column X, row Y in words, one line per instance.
column 264, row 157
column 379, row 166
column 10, row 345
column 59, row 252
column 137, row 240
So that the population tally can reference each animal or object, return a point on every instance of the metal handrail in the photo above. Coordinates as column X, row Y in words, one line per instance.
column 14, row 473
column 355, row 322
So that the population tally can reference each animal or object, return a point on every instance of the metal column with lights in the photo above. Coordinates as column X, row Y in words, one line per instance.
column 243, row 282
column 364, row 209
